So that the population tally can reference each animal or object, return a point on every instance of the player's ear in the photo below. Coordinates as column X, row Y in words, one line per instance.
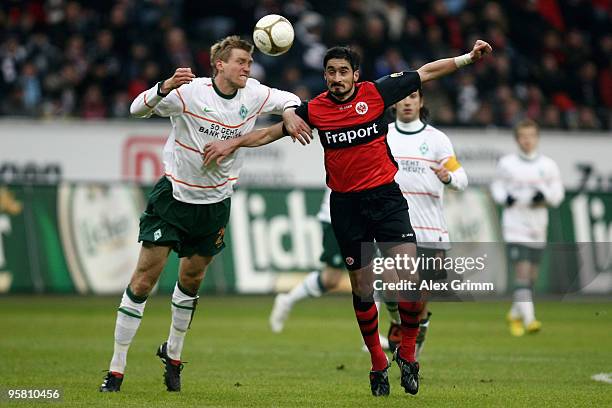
column 219, row 64
column 356, row 75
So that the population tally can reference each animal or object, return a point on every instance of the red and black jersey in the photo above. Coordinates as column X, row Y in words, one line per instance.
column 354, row 133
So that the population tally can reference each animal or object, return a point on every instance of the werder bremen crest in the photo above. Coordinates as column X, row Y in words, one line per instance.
column 243, row 111
column 424, row 148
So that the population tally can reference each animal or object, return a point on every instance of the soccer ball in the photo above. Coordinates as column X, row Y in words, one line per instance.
column 273, row 35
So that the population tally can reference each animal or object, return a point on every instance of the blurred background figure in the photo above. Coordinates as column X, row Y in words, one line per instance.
column 552, row 58
column 526, row 185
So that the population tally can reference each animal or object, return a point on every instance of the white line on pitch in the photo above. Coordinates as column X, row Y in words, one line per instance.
column 603, row 377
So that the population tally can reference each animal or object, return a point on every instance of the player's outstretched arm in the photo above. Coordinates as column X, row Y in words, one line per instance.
column 217, row 151
column 439, row 68
column 296, row 127
column 147, row 101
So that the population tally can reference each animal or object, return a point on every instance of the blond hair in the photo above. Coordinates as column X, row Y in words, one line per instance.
column 222, row 49
column 525, row 123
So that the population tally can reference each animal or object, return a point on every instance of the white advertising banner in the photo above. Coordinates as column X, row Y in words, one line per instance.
column 131, row 151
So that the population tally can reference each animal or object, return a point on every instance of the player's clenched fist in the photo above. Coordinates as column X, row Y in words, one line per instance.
column 181, row 76
column 481, row 48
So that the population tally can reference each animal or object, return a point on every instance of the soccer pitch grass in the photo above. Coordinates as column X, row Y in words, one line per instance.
column 234, row 359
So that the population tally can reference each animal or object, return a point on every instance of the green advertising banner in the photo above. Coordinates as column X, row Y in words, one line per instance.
column 584, row 219
column 82, row 238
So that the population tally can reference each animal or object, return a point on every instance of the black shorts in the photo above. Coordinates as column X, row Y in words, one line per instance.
column 361, row 217
column 521, row 252
column 430, row 268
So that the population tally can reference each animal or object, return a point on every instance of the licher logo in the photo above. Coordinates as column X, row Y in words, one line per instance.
column 361, row 108
column 220, row 236
column 243, row 111
column 349, row 261
column 97, row 225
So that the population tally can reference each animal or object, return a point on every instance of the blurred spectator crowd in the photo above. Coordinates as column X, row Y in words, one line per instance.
column 89, row 59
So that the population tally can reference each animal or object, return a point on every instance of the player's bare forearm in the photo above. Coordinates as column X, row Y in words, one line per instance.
column 439, row 68
column 270, row 134
column 296, row 127
column 146, row 101
column 181, row 77
column 217, row 151
column 261, row 137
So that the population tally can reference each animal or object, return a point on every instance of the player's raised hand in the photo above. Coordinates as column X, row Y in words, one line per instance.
column 297, row 128
column 217, row 151
column 181, row 76
column 481, row 48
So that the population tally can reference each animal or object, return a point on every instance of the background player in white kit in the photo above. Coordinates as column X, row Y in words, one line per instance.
column 427, row 164
column 188, row 208
column 526, row 184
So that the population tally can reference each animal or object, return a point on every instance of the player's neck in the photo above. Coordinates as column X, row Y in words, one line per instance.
column 224, row 88
column 345, row 97
column 413, row 126
column 528, row 156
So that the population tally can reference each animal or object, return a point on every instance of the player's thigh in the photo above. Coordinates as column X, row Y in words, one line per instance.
column 331, row 277
column 391, row 221
column 523, row 260
column 404, row 256
column 362, row 281
column 352, row 231
column 151, row 262
column 533, row 271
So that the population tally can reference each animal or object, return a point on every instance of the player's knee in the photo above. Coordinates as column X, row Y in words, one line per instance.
column 361, row 286
column 141, row 285
column 331, row 278
column 193, row 274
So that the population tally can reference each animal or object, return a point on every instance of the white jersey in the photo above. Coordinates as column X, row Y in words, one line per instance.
column 324, row 214
column 417, row 147
column 522, row 177
column 200, row 114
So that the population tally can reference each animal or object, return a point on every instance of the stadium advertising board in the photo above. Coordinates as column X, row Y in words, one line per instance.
column 131, row 151
column 68, row 238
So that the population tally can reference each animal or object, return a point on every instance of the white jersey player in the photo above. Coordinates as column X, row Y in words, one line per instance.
column 422, row 152
column 201, row 113
column 526, row 184
column 427, row 165
column 188, row 208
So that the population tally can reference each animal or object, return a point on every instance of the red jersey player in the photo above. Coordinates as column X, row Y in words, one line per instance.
column 366, row 203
